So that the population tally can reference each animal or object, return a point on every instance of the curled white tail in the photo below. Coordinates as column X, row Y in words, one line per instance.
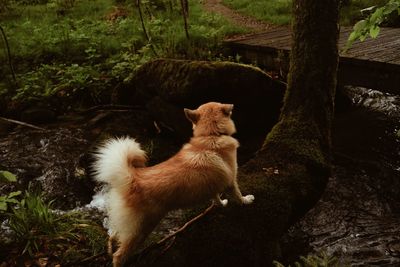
column 115, row 159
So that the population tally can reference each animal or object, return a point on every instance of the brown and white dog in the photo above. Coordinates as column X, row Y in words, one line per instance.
column 140, row 196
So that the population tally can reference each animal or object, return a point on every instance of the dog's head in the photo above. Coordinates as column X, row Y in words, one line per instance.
column 211, row 119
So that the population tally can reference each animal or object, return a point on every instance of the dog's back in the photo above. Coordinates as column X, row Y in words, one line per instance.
column 201, row 169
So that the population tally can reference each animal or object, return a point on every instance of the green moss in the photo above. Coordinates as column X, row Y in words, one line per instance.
column 294, row 139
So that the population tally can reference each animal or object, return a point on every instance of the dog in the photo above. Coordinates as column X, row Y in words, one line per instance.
column 139, row 196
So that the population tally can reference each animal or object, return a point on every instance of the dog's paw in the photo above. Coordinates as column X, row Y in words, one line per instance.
column 247, row 199
column 224, row 202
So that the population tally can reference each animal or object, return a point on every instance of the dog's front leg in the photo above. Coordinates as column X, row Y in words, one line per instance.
column 237, row 195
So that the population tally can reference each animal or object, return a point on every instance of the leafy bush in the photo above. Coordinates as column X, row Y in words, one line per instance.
column 37, row 228
column 32, row 220
column 6, row 200
column 82, row 53
column 370, row 25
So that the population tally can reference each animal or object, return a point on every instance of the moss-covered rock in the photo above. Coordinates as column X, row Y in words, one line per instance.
column 166, row 86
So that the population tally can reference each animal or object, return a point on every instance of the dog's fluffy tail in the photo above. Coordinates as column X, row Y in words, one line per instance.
column 115, row 159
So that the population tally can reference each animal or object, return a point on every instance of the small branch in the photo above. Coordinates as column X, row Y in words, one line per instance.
column 144, row 27
column 185, row 11
column 23, row 124
column 170, row 236
column 186, row 225
column 9, row 56
column 110, row 107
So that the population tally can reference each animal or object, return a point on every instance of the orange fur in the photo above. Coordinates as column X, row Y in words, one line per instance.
column 201, row 170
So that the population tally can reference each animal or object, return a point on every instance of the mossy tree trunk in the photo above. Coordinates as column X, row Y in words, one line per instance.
column 290, row 171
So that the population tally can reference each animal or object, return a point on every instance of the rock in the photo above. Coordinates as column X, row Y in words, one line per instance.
column 187, row 84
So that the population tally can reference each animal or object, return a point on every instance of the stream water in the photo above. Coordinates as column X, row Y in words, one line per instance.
column 357, row 220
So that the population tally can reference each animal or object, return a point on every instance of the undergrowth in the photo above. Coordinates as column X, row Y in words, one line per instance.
column 279, row 11
column 39, row 232
column 62, row 47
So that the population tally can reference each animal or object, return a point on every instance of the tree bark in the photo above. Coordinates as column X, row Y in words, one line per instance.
column 290, row 171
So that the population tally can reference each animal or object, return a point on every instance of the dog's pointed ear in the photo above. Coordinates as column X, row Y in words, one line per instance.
column 191, row 115
column 227, row 109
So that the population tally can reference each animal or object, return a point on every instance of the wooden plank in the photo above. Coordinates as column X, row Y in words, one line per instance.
column 267, row 39
column 373, row 62
column 375, row 50
column 383, row 53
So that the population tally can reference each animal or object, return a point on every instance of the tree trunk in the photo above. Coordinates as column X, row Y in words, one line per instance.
column 290, row 171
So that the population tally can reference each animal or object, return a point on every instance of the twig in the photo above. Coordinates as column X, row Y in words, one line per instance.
column 185, row 11
column 170, row 236
column 110, row 107
column 9, row 56
column 23, row 124
column 144, row 27
column 186, row 225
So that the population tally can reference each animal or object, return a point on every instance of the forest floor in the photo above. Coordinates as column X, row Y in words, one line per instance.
column 235, row 17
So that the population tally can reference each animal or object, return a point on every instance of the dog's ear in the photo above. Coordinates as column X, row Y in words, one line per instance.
column 227, row 109
column 192, row 115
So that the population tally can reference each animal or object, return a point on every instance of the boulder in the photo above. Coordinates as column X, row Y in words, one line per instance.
column 163, row 83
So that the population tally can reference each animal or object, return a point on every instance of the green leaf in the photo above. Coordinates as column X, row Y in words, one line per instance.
column 7, row 176
column 12, row 200
column 363, row 37
column 3, row 206
column 377, row 16
column 374, row 31
column 353, row 36
column 359, row 26
column 14, row 194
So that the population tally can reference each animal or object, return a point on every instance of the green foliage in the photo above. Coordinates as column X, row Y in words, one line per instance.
column 6, row 176
column 5, row 6
column 31, row 220
column 352, row 11
column 6, row 200
column 11, row 198
column 32, row 2
column 83, row 51
column 279, row 11
column 66, row 82
column 321, row 260
column 39, row 229
column 370, row 25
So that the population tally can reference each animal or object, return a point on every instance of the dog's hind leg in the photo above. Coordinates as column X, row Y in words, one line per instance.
column 220, row 202
column 110, row 244
column 132, row 242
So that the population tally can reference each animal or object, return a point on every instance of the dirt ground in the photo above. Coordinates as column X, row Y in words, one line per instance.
column 235, row 17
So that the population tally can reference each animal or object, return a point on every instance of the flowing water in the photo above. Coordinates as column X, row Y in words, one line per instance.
column 358, row 218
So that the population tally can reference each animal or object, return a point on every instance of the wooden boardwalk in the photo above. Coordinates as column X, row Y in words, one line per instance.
column 374, row 63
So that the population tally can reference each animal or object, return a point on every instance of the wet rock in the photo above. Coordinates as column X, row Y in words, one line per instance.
column 48, row 161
